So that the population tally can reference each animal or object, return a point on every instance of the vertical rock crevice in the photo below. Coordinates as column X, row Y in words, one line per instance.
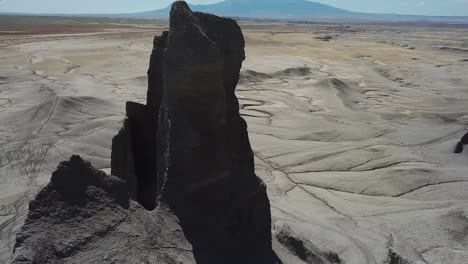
column 134, row 153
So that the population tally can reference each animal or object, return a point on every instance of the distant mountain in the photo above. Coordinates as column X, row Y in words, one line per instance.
column 281, row 9
column 295, row 9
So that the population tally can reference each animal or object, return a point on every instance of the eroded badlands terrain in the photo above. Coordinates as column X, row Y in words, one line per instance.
column 353, row 126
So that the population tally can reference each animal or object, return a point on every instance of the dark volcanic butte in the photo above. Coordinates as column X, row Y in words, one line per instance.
column 185, row 156
column 209, row 178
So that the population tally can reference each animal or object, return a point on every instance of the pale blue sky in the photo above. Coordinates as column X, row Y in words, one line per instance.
column 417, row 7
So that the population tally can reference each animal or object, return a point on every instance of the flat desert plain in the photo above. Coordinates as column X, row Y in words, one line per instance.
column 353, row 125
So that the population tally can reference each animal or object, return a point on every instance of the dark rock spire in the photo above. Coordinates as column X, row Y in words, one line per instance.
column 185, row 156
column 209, row 178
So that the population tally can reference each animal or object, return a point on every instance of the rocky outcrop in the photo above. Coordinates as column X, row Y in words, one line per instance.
column 394, row 258
column 459, row 147
column 78, row 198
column 303, row 249
column 185, row 156
column 85, row 216
column 208, row 164
column 402, row 253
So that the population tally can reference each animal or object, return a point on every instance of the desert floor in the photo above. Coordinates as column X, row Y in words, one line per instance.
column 353, row 136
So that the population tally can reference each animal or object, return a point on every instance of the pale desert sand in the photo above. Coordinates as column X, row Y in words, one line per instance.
column 353, row 136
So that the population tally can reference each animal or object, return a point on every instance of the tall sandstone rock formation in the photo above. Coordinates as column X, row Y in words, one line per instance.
column 206, row 164
column 185, row 157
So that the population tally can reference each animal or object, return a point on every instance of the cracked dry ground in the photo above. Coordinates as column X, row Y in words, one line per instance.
column 353, row 136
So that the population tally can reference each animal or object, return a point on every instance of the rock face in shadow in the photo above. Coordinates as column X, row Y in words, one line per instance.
column 185, row 156
column 134, row 153
column 207, row 163
column 69, row 211
column 155, row 71
column 85, row 216
column 135, row 148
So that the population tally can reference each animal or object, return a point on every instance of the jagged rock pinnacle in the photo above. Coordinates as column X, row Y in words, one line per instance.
column 184, row 155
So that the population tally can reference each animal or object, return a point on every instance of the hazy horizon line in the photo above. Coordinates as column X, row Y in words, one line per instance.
column 157, row 9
